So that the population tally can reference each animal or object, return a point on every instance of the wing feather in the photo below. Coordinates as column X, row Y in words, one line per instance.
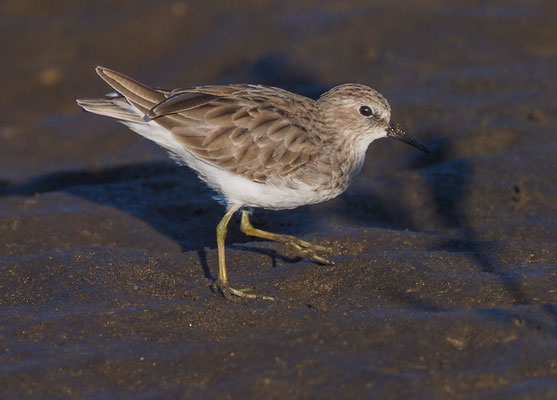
column 179, row 102
column 259, row 132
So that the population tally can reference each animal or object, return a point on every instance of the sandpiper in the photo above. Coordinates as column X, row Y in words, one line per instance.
column 257, row 146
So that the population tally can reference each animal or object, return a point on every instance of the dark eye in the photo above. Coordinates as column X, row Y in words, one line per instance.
column 366, row 111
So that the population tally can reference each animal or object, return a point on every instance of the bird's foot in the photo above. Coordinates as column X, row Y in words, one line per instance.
column 309, row 250
column 306, row 249
column 232, row 294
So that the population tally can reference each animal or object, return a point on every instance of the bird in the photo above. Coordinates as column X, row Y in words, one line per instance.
column 257, row 146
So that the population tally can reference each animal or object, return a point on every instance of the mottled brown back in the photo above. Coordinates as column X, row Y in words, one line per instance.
column 249, row 130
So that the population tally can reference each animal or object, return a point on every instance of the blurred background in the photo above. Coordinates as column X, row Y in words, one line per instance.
column 446, row 269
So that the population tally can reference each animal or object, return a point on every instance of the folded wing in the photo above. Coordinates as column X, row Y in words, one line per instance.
column 254, row 131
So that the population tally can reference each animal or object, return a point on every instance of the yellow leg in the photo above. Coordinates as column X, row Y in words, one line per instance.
column 305, row 248
column 222, row 281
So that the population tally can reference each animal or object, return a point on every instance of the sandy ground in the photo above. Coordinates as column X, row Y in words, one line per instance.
column 445, row 277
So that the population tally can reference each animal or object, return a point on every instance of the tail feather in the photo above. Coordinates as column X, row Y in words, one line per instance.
column 129, row 104
column 131, row 101
column 139, row 95
column 117, row 108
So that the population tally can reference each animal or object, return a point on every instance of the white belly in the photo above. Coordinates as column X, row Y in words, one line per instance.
column 236, row 190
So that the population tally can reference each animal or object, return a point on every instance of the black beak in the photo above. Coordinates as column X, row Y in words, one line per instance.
column 394, row 132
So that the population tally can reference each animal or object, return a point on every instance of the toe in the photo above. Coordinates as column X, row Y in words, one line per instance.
column 322, row 260
column 233, row 294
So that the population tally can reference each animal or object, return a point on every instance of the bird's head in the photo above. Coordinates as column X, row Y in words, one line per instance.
column 359, row 112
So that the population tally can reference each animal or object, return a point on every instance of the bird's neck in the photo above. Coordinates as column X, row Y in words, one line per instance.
column 348, row 158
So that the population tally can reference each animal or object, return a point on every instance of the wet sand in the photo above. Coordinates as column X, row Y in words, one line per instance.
column 445, row 278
